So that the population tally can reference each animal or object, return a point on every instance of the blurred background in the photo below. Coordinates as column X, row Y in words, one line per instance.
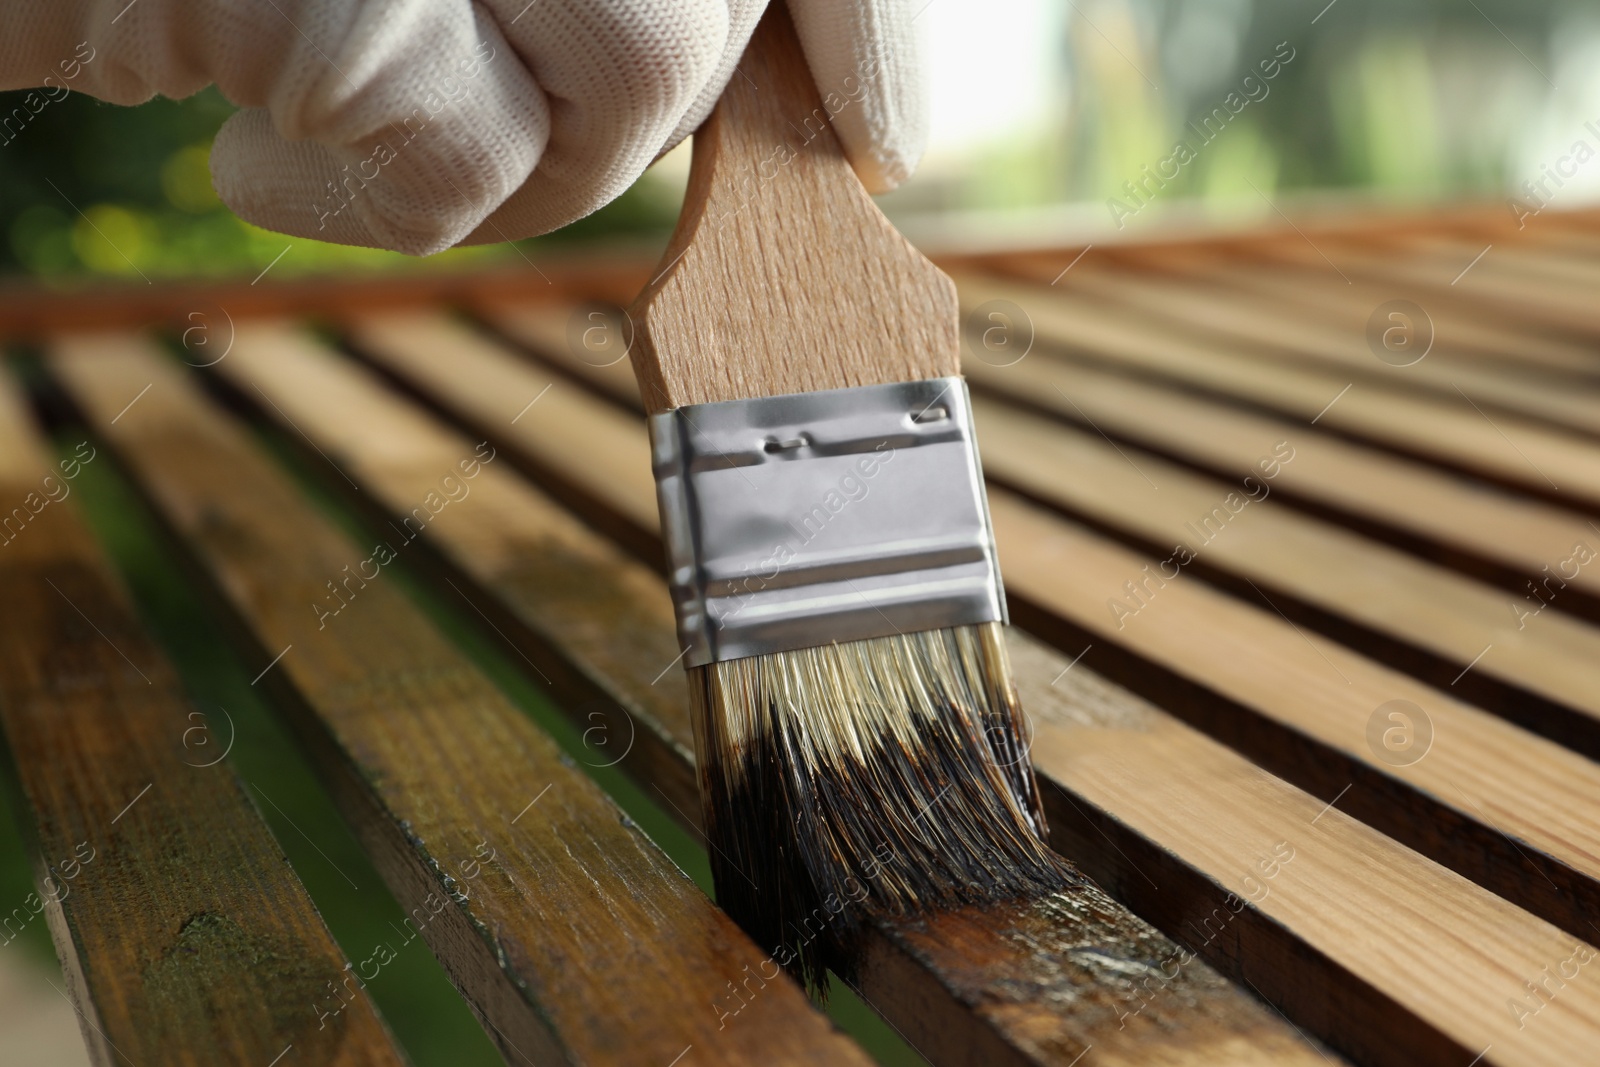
column 1050, row 118
column 1043, row 110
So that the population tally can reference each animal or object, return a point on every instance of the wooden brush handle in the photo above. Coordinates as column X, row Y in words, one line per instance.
column 782, row 275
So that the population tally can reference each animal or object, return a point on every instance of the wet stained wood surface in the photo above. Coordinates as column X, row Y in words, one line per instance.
column 1457, row 808
column 1038, row 982
column 568, row 931
column 1278, row 880
column 1492, row 764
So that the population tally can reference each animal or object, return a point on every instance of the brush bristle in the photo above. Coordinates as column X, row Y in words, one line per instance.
column 875, row 778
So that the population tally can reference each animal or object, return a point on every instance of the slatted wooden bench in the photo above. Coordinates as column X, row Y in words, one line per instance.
column 1307, row 631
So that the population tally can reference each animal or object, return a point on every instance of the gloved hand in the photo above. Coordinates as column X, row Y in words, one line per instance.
column 415, row 125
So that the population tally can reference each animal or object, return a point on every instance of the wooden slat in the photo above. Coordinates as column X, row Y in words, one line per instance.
column 1522, row 298
column 1531, row 456
column 1460, row 326
column 1415, row 605
column 521, row 406
column 1495, row 534
column 1037, row 983
column 1570, row 244
column 1123, row 773
column 1448, row 951
column 1404, row 604
column 210, row 309
column 1516, row 261
column 572, row 935
column 1306, row 710
column 1310, row 221
column 184, row 935
column 1265, row 326
column 1312, row 741
column 544, row 329
column 1510, row 537
column 1153, row 837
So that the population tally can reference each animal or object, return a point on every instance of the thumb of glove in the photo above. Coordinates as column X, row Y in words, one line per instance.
column 867, row 61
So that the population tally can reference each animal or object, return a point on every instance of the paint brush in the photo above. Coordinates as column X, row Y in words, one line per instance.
column 860, row 745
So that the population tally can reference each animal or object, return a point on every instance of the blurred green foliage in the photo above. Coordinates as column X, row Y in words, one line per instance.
column 1409, row 99
column 1399, row 100
column 88, row 188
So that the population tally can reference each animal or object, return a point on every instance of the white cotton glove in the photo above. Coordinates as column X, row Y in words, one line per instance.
column 415, row 125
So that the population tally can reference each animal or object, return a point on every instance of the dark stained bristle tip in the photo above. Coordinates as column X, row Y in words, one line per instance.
column 878, row 778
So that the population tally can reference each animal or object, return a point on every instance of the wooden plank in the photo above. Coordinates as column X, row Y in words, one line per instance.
column 1486, row 333
column 1416, row 606
column 1528, row 455
column 1295, row 307
column 1461, row 326
column 1521, row 298
column 571, row 934
column 1576, row 274
column 1486, row 798
column 1452, row 954
column 1415, row 615
column 183, row 933
column 1311, row 730
column 1039, row 983
column 1571, row 276
column 1568, row 242
column 1134, row 791
column 210, row 309
column 1264, row 326
column 1492, row 534
column 1476, row 527
column 546, row 331
column 1301, row 729
column 1312, row 220
column 526, row 410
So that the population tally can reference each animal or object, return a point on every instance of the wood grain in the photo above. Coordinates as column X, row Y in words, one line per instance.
column 1528, row 455
column 782, row 275
column 1305, row 730
column 1519, row 298
column 1473, row 526
column 1399, row 960
column 184, row 935
column 1480, row 778
column 1402, row 610
column 1463, row 327
column 573, row 937
column 1486, row 798
column 1030, row 983
column 1363, row 930
column 538, row 418
column 1263, row 325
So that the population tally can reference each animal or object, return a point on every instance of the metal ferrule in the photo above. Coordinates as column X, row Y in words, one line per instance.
column 795, row 521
